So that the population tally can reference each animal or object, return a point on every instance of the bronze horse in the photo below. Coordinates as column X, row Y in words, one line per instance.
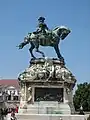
column 50, row 38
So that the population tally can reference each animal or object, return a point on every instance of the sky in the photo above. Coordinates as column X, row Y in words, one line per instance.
column 18, row 17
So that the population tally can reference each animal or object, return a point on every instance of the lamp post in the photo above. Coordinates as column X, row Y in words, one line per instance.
column 81, row 110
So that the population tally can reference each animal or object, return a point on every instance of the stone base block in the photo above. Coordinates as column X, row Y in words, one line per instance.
column 49, row 117
column 49, row 109
column 45, row 108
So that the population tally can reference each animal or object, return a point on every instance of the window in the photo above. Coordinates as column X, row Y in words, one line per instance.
column 9, row 97
column 15, row 97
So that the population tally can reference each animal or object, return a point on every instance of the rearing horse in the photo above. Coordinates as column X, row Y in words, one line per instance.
column 50, row 38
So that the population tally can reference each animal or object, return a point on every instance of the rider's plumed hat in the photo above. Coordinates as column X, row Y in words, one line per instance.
column 41, row 19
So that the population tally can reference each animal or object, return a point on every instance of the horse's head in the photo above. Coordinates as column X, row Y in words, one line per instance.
column 62, row 31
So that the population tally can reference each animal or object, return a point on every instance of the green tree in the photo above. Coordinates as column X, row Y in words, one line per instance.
column 82, row 97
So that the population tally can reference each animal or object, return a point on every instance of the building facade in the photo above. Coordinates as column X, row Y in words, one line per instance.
column 9, row 93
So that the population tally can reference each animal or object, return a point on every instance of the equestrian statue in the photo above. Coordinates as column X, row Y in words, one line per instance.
column 45, row 37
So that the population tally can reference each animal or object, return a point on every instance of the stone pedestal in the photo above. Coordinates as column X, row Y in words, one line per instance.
column 46, row 87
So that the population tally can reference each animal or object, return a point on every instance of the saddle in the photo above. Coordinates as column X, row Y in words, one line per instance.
column 40, row 32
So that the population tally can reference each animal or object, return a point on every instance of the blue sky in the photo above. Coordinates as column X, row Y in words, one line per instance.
column 18, row 17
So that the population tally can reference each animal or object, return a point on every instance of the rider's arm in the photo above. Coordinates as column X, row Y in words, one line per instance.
column 46, row 27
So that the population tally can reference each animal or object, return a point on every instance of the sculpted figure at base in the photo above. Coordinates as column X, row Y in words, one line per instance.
column 45, row 37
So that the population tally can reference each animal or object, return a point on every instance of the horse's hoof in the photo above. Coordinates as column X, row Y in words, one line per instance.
column 61, row 59
column 33, row 58
column 43, row 55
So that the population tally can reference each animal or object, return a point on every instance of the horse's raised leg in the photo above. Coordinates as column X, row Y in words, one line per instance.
column 37, row 50
column 31, row 49
column 58, row 52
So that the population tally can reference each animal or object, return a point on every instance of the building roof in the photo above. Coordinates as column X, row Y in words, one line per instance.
column 10, row 82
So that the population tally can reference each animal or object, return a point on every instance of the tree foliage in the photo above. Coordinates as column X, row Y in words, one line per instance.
column 82, row 97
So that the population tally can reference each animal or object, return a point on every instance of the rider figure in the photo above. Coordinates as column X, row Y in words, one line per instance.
column 42, row 27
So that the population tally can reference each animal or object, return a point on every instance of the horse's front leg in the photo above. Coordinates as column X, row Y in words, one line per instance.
column 31, row 49
column 58, row 52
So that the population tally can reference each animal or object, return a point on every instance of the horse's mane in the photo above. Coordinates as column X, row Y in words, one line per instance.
column 62, row 27
column 56, row 28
